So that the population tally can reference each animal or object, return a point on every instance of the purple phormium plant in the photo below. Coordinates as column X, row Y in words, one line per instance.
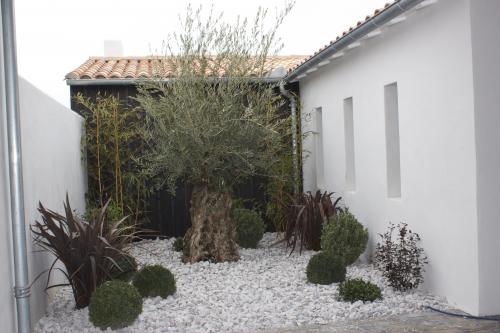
column 88, row 250
column 306, row 214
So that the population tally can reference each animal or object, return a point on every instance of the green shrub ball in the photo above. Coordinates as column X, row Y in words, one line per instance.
column 344, row 236
column 127, row 266
column 155, row 280
column 359, row 290
column 249, row 227
column 115, row 304
column 178, row 244
column 325, row 268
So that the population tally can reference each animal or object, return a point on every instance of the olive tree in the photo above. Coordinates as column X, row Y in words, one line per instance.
column 213, row 120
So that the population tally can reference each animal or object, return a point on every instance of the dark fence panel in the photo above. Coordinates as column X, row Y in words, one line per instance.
column 168, row 214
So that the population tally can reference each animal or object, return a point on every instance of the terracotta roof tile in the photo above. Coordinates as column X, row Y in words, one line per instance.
column 130, row 69
column 147, row 67
column 106, row 69
column 93, row 69
column 118, row 69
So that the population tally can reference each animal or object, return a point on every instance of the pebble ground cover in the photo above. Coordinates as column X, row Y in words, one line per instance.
column 267, row 288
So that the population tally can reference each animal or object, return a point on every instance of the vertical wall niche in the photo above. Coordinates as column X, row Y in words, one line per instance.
column 392, row 141
column 350, row 168
column 318, row 131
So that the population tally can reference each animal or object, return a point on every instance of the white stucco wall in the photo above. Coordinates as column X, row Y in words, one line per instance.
column 429, row 55
column 52, row 166
column 486, row 63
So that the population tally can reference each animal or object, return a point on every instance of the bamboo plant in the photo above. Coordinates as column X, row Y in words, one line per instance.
column 112, row 141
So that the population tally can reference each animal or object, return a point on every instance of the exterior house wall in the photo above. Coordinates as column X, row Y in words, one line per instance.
column 486, row 62
column 429, row 56
column 52, row 166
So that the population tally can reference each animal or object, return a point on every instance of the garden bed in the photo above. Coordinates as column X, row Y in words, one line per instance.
column 266, row 289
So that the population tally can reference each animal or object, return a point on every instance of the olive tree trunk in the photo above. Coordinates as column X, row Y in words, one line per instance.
column 212, row 236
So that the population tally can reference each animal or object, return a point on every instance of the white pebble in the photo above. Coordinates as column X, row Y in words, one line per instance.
column 267, row 288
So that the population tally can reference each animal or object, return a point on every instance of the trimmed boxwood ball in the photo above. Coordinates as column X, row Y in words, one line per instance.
column 325, row 268
column 115, row 304
column 249, row 227
column 344, row 236
column 127, row 266
column 178, row 244
column 358, row 290
column 155, row 280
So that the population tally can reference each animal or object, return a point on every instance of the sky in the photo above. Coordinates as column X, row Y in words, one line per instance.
column 54, row 37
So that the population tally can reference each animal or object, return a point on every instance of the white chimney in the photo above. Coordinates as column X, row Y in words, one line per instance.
column 113, row 48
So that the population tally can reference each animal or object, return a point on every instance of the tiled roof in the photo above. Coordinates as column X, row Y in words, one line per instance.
column 346, row 32
column 147, row 67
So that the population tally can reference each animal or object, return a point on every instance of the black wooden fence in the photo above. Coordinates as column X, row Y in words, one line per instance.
column 168, row 214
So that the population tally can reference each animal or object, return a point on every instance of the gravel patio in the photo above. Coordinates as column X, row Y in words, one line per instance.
column 266, row 289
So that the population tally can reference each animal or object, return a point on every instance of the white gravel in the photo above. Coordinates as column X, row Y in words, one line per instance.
column 265, row 289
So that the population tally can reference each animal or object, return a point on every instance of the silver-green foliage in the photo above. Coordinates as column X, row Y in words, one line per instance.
column 215, row 121
column 344, row 236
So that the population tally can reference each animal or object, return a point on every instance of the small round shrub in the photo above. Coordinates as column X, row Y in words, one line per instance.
column 344, row 236
column 325, row 268
column 178, row 244
column 358, row 290
column 127, row 266
column 249, row 227
column 115, row 304
column 155, row 280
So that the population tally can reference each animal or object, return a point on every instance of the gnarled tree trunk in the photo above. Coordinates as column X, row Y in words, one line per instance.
column 212, row 236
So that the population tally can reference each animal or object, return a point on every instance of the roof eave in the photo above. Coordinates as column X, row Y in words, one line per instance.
column 360, row 31
column 131, row 82
column 101, row 82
